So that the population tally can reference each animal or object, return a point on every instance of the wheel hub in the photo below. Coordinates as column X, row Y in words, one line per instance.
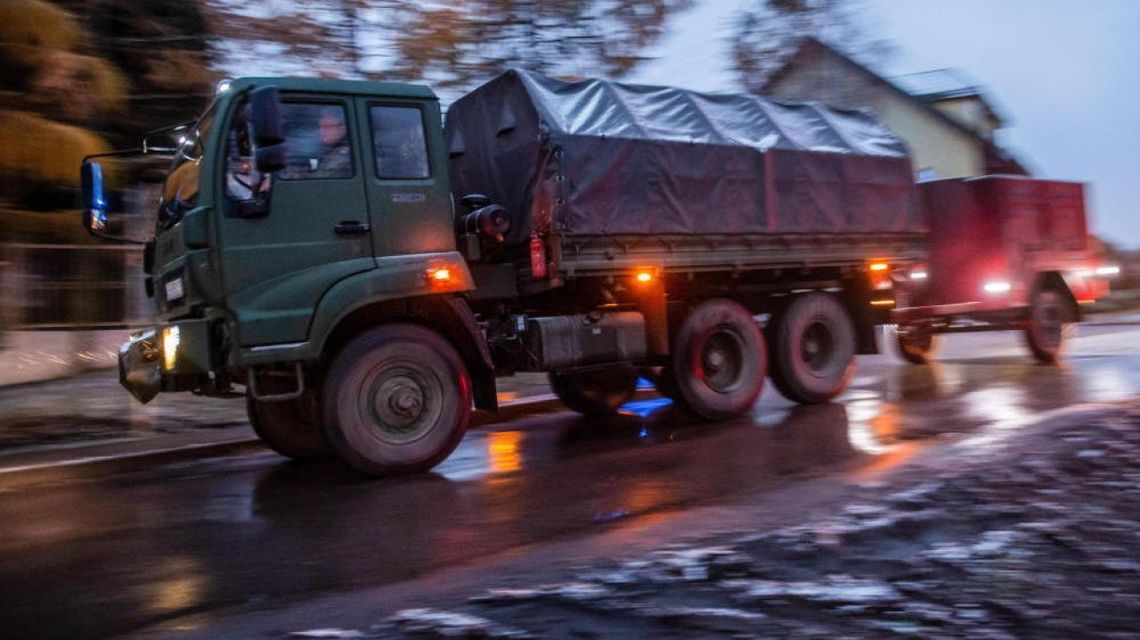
column 399, row 402
column 817, row 346
column 722, row 360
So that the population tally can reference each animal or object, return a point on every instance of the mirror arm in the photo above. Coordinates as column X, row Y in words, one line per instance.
column 114, row 239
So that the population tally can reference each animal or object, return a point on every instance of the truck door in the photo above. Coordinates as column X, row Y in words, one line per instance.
column 278, row 264
column 405, row 176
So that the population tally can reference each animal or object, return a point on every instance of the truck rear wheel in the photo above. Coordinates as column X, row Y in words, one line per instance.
column 719, row 360
column 916, row 345
column 595, row 392
column 813, row 349
column 1050, row 318
column 290, row 427
column 397, row 400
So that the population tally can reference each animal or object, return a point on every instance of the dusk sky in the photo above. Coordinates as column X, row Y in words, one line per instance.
column 1064, row 73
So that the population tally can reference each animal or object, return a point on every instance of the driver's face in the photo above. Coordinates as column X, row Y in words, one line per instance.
column 332, row 130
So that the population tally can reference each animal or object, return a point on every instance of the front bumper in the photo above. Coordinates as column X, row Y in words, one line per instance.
column 150, row 362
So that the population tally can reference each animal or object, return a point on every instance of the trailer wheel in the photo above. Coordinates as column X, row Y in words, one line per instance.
column 595, row 392
column 289, row 427
column 813, row 349
column 397, row 400
column 719, row 360
column 1050, row 318
column 916, row 345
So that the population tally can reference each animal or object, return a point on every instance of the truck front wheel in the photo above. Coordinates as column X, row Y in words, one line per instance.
column 719, row 360
column 289, row 427
column 397, row 400
column 595, row 392
column 1050, row 318
column 813, row 349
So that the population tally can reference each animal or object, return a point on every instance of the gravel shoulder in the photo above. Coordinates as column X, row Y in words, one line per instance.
column 1020, row 531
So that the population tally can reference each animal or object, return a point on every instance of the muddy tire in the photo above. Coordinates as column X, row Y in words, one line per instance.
column 290, row 427
column 595, row 392
column 813, row 349
column 916, row 346
column 1051, row 315
column 397, row 400
column 719, row 361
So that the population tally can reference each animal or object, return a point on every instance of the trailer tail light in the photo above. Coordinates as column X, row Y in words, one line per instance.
column 996, row 287
column 537, row 257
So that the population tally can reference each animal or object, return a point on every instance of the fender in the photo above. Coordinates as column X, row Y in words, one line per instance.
column 395, row 278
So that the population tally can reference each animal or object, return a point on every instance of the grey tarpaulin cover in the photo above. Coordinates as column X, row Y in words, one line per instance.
column 597, row 157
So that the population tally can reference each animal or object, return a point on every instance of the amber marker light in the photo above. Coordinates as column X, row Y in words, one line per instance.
column 643, row 276
column 879, row 266
column 438, row 275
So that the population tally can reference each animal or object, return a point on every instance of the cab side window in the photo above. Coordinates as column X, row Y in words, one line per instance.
column 398, row 143
column 317, row 141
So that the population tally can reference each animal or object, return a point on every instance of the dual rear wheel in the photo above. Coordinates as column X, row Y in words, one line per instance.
column 720, row 356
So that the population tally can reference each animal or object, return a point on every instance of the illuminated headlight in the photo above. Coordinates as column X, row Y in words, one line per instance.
column 996, row 286
column 1108, row 270
column 223, row 86
column 175, row 289
column 170, row 341
column 917, row 275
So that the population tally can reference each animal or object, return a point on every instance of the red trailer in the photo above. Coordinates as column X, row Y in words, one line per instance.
column 1004, row 252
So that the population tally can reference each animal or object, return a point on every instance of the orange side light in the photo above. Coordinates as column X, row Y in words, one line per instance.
column 644, row 276
column 879, row 266
column 438, row 275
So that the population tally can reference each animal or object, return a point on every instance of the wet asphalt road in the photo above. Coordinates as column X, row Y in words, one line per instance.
column 84, row 557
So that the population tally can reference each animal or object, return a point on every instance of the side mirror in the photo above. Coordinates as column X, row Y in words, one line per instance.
column 267, row 129
column 94, row 202
column 267, row 126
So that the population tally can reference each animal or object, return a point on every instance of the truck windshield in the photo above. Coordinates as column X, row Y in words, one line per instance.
column 180, row 193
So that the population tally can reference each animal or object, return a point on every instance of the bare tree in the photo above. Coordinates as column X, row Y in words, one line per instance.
column 767, row 32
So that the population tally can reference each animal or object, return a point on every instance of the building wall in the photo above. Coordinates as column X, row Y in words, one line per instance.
column 938, row 150
column 971, row 112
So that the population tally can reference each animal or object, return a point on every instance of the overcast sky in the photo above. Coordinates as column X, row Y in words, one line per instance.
column 1065, row 73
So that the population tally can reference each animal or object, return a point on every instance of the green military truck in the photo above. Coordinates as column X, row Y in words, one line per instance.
column 361, row 274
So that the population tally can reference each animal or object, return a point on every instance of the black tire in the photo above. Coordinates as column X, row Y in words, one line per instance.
column 396, row 400
column 915, row 345
column 1051, row 315
column 290, row 427
column 813, row 349
column 597, row 391
column 719, row 360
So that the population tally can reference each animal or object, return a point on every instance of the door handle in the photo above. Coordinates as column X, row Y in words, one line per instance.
column 348, row 227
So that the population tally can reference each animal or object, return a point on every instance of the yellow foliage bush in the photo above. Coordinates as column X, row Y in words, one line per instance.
column 38, row 23
column 35, row 149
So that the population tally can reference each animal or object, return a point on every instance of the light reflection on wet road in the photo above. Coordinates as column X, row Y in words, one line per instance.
column 96, row 556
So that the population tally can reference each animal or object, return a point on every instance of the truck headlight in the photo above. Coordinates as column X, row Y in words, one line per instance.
column 171, row 337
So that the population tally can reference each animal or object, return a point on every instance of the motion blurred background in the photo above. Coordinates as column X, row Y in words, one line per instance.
column 83, row 76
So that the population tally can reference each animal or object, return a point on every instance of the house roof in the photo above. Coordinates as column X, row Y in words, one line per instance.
column 937, row 85
column 997, row 158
